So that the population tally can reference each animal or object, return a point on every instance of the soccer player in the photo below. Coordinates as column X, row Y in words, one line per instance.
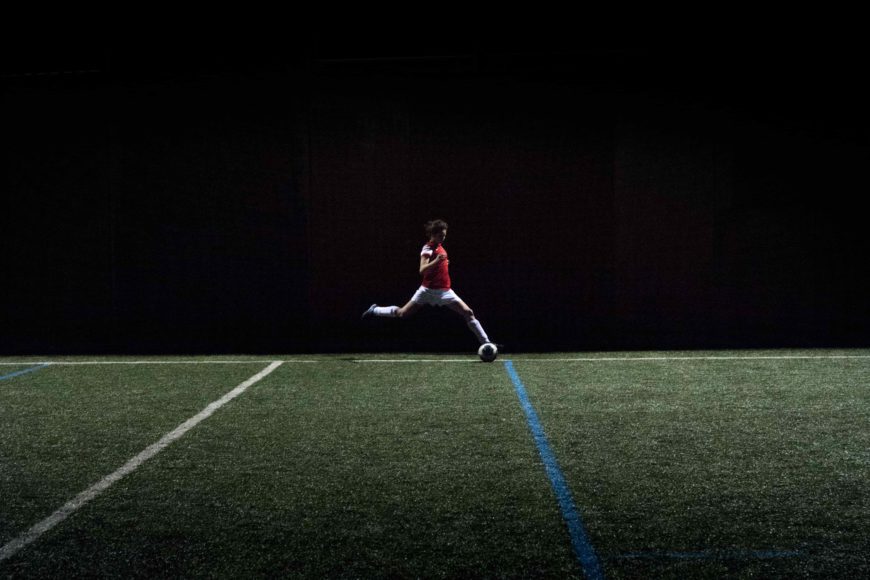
column 435, row 288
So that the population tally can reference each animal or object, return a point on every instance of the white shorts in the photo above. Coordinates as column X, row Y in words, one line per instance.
column 434, row 297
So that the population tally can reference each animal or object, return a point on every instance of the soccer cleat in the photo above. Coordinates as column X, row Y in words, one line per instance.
column 370, row 311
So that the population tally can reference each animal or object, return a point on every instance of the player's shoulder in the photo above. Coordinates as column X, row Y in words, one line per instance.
column 427, row 249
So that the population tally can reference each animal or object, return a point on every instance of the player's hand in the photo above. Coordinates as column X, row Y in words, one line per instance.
column 440, row 257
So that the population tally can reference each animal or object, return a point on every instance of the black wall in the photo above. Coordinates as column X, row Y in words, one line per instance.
column 597, row 200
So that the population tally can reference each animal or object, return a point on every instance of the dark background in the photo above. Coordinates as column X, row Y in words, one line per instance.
column 257, row 193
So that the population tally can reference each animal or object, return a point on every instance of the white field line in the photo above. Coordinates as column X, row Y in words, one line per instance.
column 469, row 359
column 84, row 497
column 625, row 359
column 155, row 362
column 418, row 360
column 667, row 358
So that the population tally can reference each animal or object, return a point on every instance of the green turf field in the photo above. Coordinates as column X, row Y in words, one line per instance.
column 679, row 465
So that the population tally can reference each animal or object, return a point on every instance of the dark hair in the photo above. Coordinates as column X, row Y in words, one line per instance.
column 435, row 226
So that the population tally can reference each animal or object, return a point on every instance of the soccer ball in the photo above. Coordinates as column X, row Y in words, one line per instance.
column 487, row 352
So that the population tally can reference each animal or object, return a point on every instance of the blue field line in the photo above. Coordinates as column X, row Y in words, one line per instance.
column 579, row 539
column 24, row 372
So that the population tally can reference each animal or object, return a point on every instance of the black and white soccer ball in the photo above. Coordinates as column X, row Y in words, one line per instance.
column 487, row 352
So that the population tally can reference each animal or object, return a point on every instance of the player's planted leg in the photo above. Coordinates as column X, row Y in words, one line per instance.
column 477, row 329
column 474, row 325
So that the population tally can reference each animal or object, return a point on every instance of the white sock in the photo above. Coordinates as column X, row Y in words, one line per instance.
column 388, row 311
column 478, row 331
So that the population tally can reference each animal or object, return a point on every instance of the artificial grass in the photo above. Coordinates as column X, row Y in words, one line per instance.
column 680, row 468
column 751, row 468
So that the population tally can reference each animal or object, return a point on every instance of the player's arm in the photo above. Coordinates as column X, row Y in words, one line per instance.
column 427, row 262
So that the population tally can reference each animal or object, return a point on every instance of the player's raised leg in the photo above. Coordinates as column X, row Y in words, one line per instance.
column 392, row 311
column 408, row 309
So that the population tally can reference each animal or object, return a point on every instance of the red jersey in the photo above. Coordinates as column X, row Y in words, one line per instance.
column 437, row 277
